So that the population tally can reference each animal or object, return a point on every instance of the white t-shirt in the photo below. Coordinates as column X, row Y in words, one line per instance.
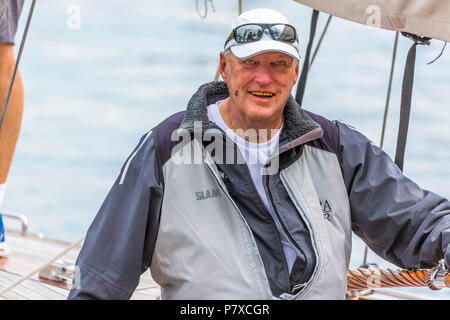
column 256, row 155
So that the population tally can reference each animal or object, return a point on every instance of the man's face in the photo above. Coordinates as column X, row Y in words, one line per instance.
column 263, row 83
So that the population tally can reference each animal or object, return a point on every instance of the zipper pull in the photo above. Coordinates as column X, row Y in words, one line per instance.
column 224, row 177
column 298, row 287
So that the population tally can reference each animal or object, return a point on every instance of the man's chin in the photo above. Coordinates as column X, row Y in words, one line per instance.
column 259, row 113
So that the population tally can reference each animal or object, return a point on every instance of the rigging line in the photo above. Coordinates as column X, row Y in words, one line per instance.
column 217, row 76
column 24, row 36
column 399, row 294
column 305, row 70
column 386, row 110
column 388, row 96
column 320, row 40
column 5, row 6
column 146, row 288
column 440, row 54
column 366, row 252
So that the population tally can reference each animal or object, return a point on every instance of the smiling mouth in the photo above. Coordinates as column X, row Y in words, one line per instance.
column 262, row 94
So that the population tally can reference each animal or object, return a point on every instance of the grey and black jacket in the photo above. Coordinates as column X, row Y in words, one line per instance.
column 204, row 232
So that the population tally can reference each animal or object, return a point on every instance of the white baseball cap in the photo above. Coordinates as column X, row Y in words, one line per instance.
column 266, row 43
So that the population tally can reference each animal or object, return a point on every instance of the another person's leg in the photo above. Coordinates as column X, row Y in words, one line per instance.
column 11, row 125
column 9, row 132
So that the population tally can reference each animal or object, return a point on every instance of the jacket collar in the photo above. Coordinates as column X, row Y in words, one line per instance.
column 298, row 127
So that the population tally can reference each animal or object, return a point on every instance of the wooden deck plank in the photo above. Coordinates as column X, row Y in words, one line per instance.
column 11, row 295
column 33, row 289
column 15, row 293
column 59, row 291
column 37, row 250
column 30, row 252
column 31, row 236
column 24, row 289
column 49, row 291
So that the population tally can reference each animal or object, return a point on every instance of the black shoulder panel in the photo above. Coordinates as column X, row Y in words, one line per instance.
column 330, row 139
column 163, row 132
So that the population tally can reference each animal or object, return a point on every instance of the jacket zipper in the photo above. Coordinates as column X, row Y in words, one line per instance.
column 289, row 237
column 263, row 207
column 285, row 230
column 312, row 235
column 254, row 251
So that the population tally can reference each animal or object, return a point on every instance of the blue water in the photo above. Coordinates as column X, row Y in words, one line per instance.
column 91, row 93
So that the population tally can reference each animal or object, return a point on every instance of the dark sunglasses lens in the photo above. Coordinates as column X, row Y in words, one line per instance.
column 283, row 32
column 248, row 33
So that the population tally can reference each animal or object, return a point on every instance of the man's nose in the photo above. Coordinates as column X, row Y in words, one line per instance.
column 263, row 76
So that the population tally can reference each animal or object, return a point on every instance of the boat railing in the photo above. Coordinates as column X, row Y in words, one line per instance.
column 17, row 216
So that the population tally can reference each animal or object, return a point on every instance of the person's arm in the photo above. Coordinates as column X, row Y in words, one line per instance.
column 401, row 222
column 120, row 241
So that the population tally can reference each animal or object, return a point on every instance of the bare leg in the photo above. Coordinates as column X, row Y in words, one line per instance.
column 11, row 126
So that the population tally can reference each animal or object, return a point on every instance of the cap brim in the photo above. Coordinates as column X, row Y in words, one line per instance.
column 247, row 50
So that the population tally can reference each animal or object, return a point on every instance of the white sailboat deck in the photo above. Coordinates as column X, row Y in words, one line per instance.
column 28, row 252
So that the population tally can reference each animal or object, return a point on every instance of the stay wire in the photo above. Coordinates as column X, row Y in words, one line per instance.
column 305, row 70
column 386, row 110
column 388, row 96
column 440, row 54
column 316, row 50
column 217, row 76
column 16, row 66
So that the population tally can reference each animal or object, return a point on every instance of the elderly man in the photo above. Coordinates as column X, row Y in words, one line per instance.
column 246, row 196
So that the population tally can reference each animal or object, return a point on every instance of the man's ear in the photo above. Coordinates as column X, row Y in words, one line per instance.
column 297, row 70
column 223, row 64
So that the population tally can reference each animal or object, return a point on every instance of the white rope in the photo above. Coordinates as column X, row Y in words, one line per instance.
column 29, row 275
column 145, row 288
column 402, row 295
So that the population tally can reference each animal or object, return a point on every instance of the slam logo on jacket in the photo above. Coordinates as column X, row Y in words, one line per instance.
column 203, row 195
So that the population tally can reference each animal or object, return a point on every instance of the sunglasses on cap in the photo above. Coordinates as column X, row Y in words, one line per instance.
column 252, row 32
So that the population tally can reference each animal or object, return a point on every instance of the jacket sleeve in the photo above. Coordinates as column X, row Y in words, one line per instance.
column 401, row 222
column 120, row 241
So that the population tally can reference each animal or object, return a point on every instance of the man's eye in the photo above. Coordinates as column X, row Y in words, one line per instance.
column 251, row 62
column 280, row 63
